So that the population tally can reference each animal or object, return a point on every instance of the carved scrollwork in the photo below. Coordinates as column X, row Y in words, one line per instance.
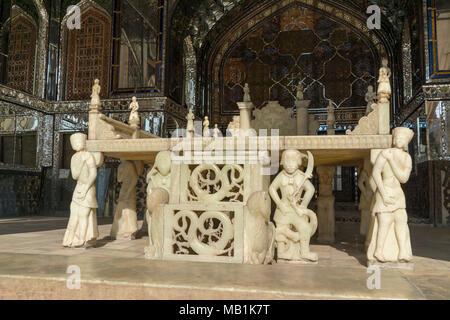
column 208, row 233
column 208, row 183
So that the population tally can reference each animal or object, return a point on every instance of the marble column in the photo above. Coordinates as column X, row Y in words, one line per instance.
column 245, row 109
column 302, row 116
column 325, row 204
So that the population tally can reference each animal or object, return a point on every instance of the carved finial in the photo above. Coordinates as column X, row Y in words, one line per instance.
column 206, row 132
column 134, row 115
column 247, row 97
column 95, row 96
column 216, row 131
column 384, row 85
column 330, row 118
column 300, row 90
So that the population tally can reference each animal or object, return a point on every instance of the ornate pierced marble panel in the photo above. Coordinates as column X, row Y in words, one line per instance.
column 210, row 183
column 88, row 55
column 200, row 232
column 22, row 48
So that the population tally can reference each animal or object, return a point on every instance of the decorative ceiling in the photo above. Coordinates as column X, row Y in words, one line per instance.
column 195, row 18
column 332, row 62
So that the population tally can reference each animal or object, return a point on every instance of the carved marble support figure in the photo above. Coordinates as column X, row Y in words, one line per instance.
column 156, row 198
column 125, row 225
column 82, row 230
column 331, row 120
column 389, row 239
column 94, row 109
column 325, row 204
column 302, row 112
column 295, row 223
column 259, row 232
column 366, row 186
column 384, row 94
column 158, row 177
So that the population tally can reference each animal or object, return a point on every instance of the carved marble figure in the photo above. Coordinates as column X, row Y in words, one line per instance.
column 247, row 97
column 190, row 124
column 95, row 96
column 295, row 223
column 390, row 240
column 364, row 184
column 134, row 115
column 82, row 230
column 299, row 94
column 259, row 233
column 384, row 85
column 125, row 225
column 216, row 131
column 370, row 99
column 206, row 132
column 158, row 188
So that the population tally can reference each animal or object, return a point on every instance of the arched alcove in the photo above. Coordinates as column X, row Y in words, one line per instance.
column 87, row 52
column 22, row 50
column 275, row 44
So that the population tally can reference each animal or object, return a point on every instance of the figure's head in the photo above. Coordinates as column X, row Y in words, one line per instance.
column 384, row 62
column 370, row 88
column 96, row 81
column 78, row 141
column 215, row 126
column 163, row 162
column 401, row 137
column 134, row 99
column 291, row 160
column 206, row 118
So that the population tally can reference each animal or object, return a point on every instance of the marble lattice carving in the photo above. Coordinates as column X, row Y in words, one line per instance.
column 389, row 239
column 259, row 231
column 82, row 229
column 295, row 223
column 203, row 232
column 209, row 183
column 125, row 225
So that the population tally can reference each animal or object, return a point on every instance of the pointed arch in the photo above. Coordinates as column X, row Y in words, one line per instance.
column 22, row 50
column 86, row 53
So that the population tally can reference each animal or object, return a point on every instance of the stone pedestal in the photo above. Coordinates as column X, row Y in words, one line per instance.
column 94, row 112
column 134, row 123
column 245, row 109
column 383, row 116
column 325, row 204
column 302, row 116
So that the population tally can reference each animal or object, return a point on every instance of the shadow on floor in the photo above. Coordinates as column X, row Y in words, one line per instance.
column 37, row 224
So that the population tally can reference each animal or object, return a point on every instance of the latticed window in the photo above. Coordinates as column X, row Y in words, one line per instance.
column 22, row 51
column 88, row 55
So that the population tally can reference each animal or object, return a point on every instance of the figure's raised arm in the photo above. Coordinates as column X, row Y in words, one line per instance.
column 402, row 169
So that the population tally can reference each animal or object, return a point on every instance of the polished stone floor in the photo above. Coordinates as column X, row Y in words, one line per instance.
column 33, row 265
